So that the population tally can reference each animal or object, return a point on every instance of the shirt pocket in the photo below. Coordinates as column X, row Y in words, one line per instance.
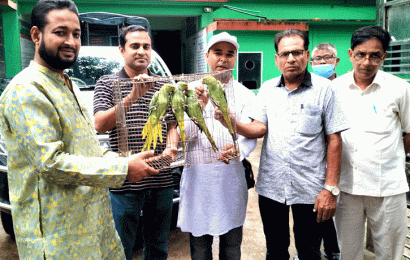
column 382, row 122
column 309, row 121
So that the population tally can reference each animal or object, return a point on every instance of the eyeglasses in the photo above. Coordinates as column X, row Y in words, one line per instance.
column 374, row 57
column 295, row 54
column 325, row 58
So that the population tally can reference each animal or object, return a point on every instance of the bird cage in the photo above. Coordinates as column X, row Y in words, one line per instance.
column 205, row 139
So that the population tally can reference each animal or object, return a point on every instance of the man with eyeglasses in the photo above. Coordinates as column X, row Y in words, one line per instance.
column 373, row 181
column 300, row 157
column 325, row 60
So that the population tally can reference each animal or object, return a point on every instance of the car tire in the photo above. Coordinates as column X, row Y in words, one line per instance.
column 7, row 223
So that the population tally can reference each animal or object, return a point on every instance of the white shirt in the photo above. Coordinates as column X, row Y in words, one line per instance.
column 373, row 157
column 214, row 195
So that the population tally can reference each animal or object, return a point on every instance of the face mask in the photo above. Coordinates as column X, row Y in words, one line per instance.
column 325, row 70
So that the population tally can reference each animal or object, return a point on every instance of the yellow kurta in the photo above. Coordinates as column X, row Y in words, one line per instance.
column 58, row 174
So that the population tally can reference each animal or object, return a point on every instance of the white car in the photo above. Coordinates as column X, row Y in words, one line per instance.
column 96, row 61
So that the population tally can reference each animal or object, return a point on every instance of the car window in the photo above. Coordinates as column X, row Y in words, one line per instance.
column 158, row 67
column 3, row 153
column 96, row 61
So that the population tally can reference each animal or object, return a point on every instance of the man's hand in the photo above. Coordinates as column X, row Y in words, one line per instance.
column 325, row 205
column 219, row 116
column 228, row 152
column 165, row 159
column 138, row 168
column 171, row 153
column 140, row 87
column 202, row 95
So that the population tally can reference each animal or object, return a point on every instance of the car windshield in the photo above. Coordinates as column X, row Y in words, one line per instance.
column 96, row 61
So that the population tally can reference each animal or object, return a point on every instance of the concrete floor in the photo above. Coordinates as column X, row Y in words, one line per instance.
column 253, row 244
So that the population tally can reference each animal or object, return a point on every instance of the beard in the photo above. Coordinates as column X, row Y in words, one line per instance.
column 54, row 60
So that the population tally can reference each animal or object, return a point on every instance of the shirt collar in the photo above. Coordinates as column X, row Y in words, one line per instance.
column 377, row 81
column 307, row 81
column 50, row 73
column 123, row 75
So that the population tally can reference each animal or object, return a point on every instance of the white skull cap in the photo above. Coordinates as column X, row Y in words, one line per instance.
column 222, row 37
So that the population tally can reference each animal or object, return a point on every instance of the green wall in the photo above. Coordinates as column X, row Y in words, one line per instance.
column 337, row 35
column 158, row 8
column 329, row 20
column 11, row 36
column 300, row 11
column 254, row 41
column 262, row 41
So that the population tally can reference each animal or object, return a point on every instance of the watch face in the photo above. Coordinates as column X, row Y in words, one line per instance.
column 335, row 191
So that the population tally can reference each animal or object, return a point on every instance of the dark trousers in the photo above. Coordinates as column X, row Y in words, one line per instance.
column 229, row 245
column 275, row 220
column 156, row 205
column 329, row 237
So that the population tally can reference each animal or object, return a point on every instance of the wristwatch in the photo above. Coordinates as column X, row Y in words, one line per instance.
column 333, row 189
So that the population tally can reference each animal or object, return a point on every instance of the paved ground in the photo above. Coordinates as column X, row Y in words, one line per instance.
column 8, row 248
column 253, row 245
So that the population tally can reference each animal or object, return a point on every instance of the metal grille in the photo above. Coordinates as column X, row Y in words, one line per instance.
column 398, row 59
column 406, row 254
column 197, row 147
column 398, row 63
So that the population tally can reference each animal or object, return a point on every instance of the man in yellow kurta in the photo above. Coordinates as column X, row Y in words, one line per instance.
column 58, row 174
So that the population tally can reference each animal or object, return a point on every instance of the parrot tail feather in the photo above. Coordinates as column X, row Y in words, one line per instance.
column 146, row 135
column 182, row 134
column 157, row 133
column 147, row 128
column 211, row 140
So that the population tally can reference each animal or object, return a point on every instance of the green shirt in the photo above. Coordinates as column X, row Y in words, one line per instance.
column 58, row 174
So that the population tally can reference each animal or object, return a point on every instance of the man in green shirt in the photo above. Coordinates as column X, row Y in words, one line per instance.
column 58, row 174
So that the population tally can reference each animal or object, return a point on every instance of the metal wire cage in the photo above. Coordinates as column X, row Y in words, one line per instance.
column 194, row 141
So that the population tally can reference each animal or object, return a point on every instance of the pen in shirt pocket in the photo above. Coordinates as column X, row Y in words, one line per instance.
column 374, row 107
column 301, row 106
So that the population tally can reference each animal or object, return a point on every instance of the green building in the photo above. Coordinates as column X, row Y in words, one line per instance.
column 180, row 30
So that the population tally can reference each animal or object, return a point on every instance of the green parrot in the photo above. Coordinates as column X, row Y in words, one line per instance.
column 178, row 104
column 157, row 108
column 218, row 97
column 194, row 111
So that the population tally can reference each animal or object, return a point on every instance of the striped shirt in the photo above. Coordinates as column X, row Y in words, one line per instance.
column 104, row 99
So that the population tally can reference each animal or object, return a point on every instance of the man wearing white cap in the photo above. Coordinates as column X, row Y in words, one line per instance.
column 214, row 196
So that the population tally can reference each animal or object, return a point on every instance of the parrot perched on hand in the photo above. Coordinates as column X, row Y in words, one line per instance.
column 218, row 98
column 178, row 104
column 194, row 111
column 157, row 108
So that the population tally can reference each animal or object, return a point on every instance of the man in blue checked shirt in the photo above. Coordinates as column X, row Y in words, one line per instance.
column 300, row 158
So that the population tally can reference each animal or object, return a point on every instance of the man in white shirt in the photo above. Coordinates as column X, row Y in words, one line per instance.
column 372, row 180
column 214, row 195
